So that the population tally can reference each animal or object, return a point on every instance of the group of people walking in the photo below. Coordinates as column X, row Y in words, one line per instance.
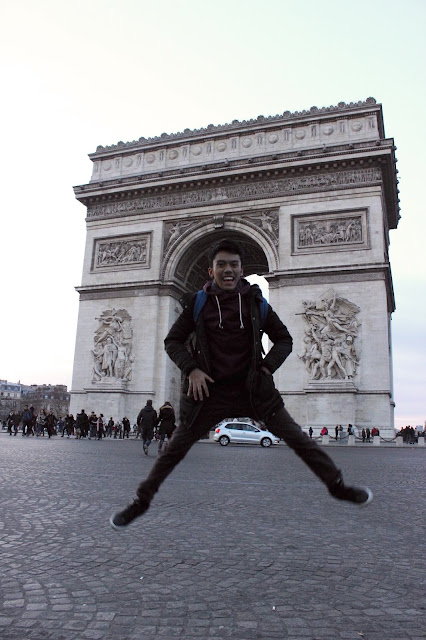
column 32, row 424
column 95, row 427
column 149, row 425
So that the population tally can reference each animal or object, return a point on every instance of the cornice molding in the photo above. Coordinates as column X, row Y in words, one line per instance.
column 287, row 116
column 129, row 290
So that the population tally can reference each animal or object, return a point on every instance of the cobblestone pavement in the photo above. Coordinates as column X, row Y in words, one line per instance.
column 242, row 543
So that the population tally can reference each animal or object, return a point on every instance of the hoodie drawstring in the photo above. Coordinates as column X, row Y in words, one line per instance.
column 241, row 313
column 240, row 308
column 220, row 313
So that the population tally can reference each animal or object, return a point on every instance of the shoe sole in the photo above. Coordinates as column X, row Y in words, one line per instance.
column 114, row 526
column 369, row 499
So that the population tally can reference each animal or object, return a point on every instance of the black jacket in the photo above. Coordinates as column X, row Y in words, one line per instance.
column 264, row 397
column 147, row 417
column 166, row 420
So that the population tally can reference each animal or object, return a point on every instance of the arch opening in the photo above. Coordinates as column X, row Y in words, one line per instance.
column 191, row 270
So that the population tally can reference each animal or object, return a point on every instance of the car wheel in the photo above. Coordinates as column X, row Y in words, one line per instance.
column 266, row 442
column 224, row 440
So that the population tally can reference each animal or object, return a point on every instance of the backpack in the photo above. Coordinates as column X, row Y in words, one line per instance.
column 201, row 298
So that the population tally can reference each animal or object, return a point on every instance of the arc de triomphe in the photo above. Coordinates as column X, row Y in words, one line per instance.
column 311, row 195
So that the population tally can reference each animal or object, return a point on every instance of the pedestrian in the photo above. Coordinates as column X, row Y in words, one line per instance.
column 81, row 424
column 340, row 431
column 118, row 430
column 336, row 431
column 93, row 425
column 147, row 421
column 110, row 427
column 166, row 424
column 26, row 418
column 226, row 376
column 10, row 422
column 51, row 423
column 363, row 435
column 126, row 427
column 368, row 434
column 41, row 423
column 61, row 425
column 310, row 432
column 69, row 425
column 324, row 431
column 100, row 427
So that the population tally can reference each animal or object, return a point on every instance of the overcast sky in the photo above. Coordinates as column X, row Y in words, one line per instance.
column 76, row 74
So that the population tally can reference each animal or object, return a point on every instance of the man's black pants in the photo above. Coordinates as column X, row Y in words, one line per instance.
column 232, row 402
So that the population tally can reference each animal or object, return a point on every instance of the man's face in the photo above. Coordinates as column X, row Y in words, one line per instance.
column 227, row 270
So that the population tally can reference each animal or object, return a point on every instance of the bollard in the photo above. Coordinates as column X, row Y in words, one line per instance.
column 376, row 441
column 351, row 441
column 399, row 441
column 326, row 439
column 421, row 441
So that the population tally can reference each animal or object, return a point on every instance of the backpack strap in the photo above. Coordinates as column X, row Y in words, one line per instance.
column 200, row 301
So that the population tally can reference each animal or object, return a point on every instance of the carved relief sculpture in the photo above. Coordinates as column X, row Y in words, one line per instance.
column 331, row 231
column 267, row 221
column 121, row 252
column 112, row 353
column 343, row 230
column 332, row 328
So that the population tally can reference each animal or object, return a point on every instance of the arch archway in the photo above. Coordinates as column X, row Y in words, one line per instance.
column 186, row 262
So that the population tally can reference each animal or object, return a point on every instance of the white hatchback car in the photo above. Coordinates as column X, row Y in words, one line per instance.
column 243, row 433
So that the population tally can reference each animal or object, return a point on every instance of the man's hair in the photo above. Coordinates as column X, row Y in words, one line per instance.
column 149, row 402
column 231, row 246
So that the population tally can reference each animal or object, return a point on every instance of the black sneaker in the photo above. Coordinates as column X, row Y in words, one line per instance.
column 145, row 449
column 360, row 496
column 125, row 517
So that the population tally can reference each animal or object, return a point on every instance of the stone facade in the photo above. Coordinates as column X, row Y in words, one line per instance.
column 311, row 195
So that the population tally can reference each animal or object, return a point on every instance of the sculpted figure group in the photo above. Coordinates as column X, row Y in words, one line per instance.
column 329, row 338
column 320, row 233
column 112, row 354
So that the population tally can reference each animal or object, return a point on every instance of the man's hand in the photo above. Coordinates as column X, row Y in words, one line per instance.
column 198, row 383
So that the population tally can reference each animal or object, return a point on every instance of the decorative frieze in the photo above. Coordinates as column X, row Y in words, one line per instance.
column 122, row 252
column 249, row 190
column 334, row 231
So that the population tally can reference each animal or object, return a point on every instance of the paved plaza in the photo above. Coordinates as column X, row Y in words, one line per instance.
column 241, row 543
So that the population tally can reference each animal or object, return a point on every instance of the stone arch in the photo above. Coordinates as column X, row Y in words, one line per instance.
column 185, row 260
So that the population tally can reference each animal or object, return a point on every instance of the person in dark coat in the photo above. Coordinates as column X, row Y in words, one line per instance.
column 51, row 423
column 27, row 420
column 166, row 424
column 126, row 427
column 228, row 376
column 68, row 425
column 82, row 424
column 147, row 421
